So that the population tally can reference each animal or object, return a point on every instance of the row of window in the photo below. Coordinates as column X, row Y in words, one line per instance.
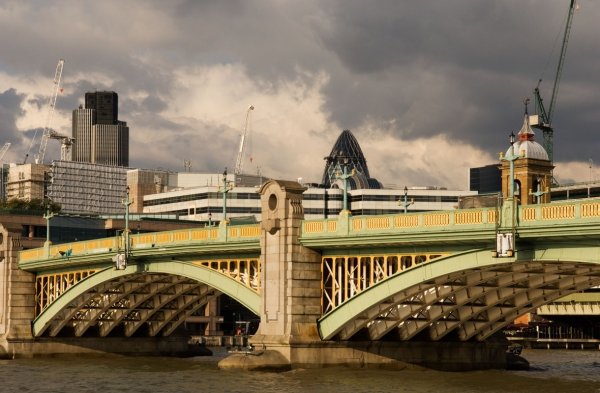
column 395, row 198
column 201, row 196
column 308, row 197
column 215, row 209
column 320, row 211
column 323, row 197
column 307, row 211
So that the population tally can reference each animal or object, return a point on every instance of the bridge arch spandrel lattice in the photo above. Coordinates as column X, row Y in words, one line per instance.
column 160, row 294
column 344, row 276
column 470, row 293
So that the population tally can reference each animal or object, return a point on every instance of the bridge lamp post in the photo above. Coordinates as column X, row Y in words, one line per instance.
column 49, row 214
column 127, row 202
column 209, row 219
column 590, row 183
column 511, row 158
column 406, row 203
column 344, row 176
column 505, row 242
column 538, row 193
column 226, row 188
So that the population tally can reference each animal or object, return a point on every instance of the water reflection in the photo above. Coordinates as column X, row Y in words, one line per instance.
column 554, row 371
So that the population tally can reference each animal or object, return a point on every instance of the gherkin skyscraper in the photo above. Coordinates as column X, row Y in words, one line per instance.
column 347, row 152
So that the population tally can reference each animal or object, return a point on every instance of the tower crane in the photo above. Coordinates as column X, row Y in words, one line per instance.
column 4, row 150
column 239, row 164
column 39, row 159
column 545, row 116
column 65, row 143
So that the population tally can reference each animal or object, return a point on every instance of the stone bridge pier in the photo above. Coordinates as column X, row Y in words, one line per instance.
column 291, row 305
column 17, row 294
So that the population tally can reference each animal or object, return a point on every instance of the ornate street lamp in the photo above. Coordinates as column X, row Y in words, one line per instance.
column 511, row 158
column 127, row 202
column 344, row 176
column 406, row 203
column 227, row 186
column 538, row 192
column 48, row 216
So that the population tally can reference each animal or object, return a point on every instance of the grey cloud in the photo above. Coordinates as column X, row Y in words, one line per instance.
column 416, row 69
column 10, row 109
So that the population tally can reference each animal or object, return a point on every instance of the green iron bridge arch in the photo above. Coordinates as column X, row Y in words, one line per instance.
column 471, row 293
column 170, row 275
column 160, row 294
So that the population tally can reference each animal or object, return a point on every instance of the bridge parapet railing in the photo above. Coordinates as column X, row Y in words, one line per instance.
column 237, row 233
column 417, row 222
column 564, row 212
column 584, row 211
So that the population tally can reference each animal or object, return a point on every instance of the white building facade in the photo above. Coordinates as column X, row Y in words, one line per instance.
column 205, row 203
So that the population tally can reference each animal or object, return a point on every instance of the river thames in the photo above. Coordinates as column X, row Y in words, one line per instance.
column 552, row 371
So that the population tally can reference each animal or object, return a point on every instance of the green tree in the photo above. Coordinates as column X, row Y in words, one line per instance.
column 33, row 205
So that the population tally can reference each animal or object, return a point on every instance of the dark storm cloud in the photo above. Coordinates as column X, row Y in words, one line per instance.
column 10, row 110
column 458, row 68
column 483, row 59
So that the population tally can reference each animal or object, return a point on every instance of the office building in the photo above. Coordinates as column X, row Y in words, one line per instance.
column 3, row 180
column 100, row 138
column 486, row 179
column 106, row 105
column 27, row 182
column 89, row 189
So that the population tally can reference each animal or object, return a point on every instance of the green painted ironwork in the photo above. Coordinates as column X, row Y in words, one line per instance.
column 331, row 323
column 226, row 285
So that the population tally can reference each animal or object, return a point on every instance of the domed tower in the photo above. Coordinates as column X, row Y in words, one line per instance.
column 347, row 152
column 532, row 168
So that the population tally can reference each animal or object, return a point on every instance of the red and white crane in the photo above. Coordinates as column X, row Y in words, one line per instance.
column 39, row 158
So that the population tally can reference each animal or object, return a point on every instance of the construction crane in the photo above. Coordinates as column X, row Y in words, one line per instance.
column 544, row 121
column 65, row 144
column 39, row 159
column 239, row 164
column 4, row 150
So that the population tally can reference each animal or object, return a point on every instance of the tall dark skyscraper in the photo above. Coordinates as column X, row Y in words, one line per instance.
column 100, row 138
column 106, row 104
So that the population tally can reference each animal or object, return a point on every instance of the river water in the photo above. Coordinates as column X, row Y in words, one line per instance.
column 553, row 371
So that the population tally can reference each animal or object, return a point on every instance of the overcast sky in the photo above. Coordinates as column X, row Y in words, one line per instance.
column 428, row 88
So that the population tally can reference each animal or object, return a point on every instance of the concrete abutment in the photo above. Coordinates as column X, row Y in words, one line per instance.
column 446, row 356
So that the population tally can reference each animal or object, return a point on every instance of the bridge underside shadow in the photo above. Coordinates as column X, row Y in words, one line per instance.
column 149, row 298
column 466, row 296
